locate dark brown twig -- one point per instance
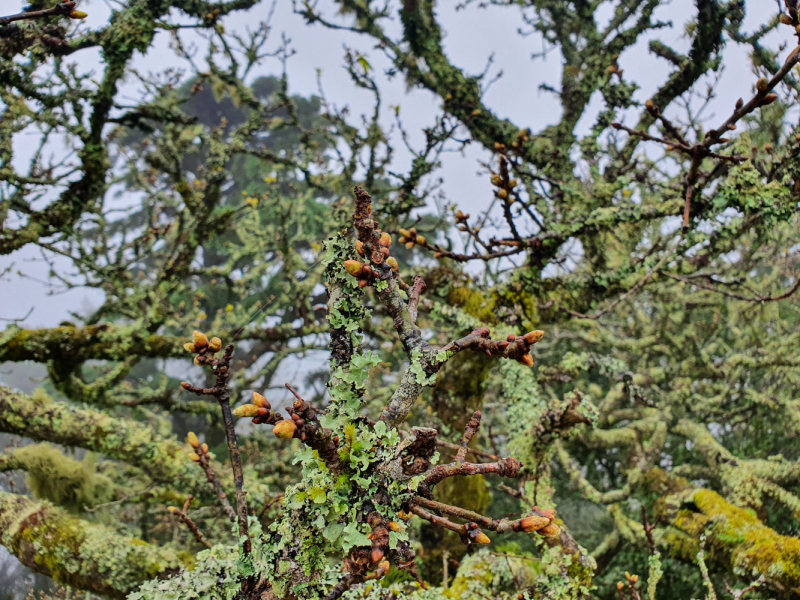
(59, 10)
(469, 432)
(186, 520)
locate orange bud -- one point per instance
(173, 510)
(392, 262)
(194, 457)
(413, 232)
(360, 247)
(200, 340)
(192, 439)
(353, 267)
(215, 344)
(386, 240)
(634, 578)
(405, 233)
(260, 401)
(246, 410)
(204, 447)
(404, 515)
(769, 99)
(502, 194)
(421, 240)
(409, 245)
(189, 347)
(649, 105)
(376, 555)
(620, 585)
(550, 531)
(534, 336)
(285, 430)
(77, 14)
(185, 385)
(395, 526)
(527, 360)
(534, 523)
(482, 538)
(497, 181)
(549, 513)
(385, 566)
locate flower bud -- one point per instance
(386, 240)
(376, 555)
(533, 523)
(353, 267)
(739, 103)
(421, 240)
(392, 262)
(502, 194)
(194, 456)
(385, 252)
(204, 448)
(620, 585)
(786, 19)
(214, 344)
(534, 336)
(413, 232)
(385, 566)
(549, 513)
(405, 233)
(552, 530)
(77, 14)
(511, 337)
(634, 578)
(189, 347)
(769, 99)
(362, 283)
(649, 105)
(192, 439)
(761, 84)
(360, 247)
(285, 430)
(404, 515)
(172, 509)
(366, 271)
(482, 538)
(526, 359)
(497, 180)
(198, 362)
(512, 184)
(246, 410)
(185, 385)
(260, 401)
(200, 340)
(395, 526)
(409, 245)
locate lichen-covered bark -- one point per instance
(80, 554)
(736, 540)
(42, 419)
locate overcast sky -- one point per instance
(473, 35)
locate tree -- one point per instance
(639, 286)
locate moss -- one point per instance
(62, 480)
(737, 539)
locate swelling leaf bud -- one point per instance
(285, 430)
(192, 439)
(534, 523)
(194, 456)
(761, 84)
(260, 401)
(200, 340)
(392, 262)
(353, 267)
(527, 360)
(405, 233)
(395, 526)
(246, 410)
(376, 555)
(482, 538)
(421, 240)
(77, 14)
(386, 240)
(502, 194)
(385, 566)
(534, 336)
(786, 19)
(360, 247)
(173, 510)
(204, 448)
(189, 347)
(215, 344)
(497, 180)
(552, 530)
(769, 99)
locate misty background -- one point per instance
(475, 37)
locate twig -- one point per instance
(181, 514)
(413, 297)
(469, 432)
(59, 10)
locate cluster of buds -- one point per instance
(542, 522)
(261, 412)
(203, 347)
(410, 238)
(364, 271)
(761, 85)
(513, 347)
(461, 217)
(522, 136)
(504, 184)
(474, 535)
(629, 586)
(199, 453)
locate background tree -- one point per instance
(658, 253)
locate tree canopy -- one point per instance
(586, 389)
